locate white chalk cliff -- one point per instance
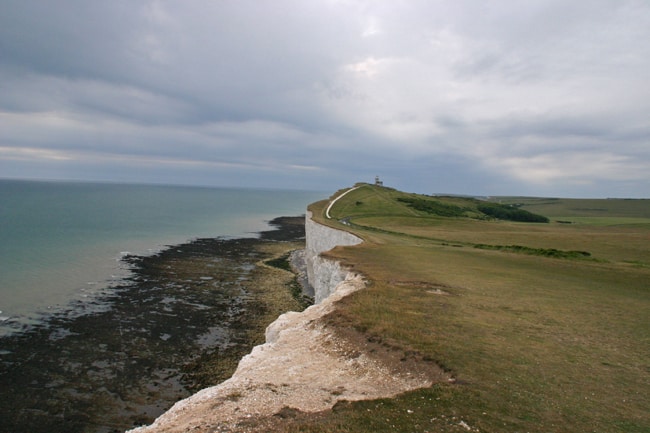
(324, 275)
(303, 364)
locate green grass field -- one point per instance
(536, 343)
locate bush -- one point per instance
(510, 213)
(546, 252)
(434, 207)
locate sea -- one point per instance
(62, 243)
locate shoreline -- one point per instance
(309, 362)
(111, 370)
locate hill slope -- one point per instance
(538, 342)
(369, 200)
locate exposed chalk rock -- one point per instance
(323, 274)
(303, 364)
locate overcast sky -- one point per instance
(535, 97)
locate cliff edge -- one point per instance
(304, 365)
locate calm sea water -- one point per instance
(63, 241)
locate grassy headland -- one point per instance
(537, 342)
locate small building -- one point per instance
(378, 182)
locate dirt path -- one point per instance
(327, 212)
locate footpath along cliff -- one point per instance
(304, 364)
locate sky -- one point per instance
(536, 97)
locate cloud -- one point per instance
(499, 95)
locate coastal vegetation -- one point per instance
(473, 208)
(510, 213)
(546, 252)
(434, 207)
(283, 262)
(544, 327)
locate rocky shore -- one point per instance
(191, 325)
(180, 323)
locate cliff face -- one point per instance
(304, 364)
(323, 274)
